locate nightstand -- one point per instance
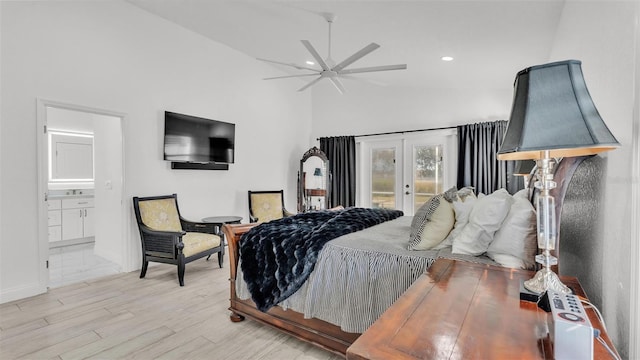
(462, 310)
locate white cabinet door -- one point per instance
(88, 222)
(72, 224)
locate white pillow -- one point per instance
(485, 219)
(514, 244)
(461, 209)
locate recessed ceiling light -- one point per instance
(447, 58)
(309, 62)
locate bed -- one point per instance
(312, 317)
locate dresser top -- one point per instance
(461, 310)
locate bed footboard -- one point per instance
(317, 332)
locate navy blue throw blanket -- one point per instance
(277, 257)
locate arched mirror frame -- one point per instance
(306, 196)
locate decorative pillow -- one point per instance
(485, 219)
(454, 194)
(431, 224)
(451, 195)
(462, 208)
(514, 244)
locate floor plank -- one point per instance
(123, 317)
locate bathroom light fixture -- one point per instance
(446, 58)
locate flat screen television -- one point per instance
(191, 139)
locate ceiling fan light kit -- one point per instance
(329, 69)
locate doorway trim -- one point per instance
(42, 173)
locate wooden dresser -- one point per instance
(460, 310)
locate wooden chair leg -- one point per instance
(181, 270)
(145, 264)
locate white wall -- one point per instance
(602, 36)
(374, 109)
(113, 56)
(108, 189)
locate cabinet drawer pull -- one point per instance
(83, 202)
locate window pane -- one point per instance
(383, 178)
(427, 173)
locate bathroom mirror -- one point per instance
(313, 181)
(70, 157)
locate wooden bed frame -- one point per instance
(320, 333)
(328, 336)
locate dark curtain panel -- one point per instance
(341, 152)
(478, 163)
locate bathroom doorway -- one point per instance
(81, 185)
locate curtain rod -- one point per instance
(403, 132)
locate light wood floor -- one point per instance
(124, 317)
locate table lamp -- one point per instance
(552, 116)
(318, 173)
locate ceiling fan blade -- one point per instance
(373, 68)
(310, 83)
(287, 64)
(355, 57)
(338, 84)
(288, 76)
(315, 54)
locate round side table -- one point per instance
(218, 221)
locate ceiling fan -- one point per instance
(329, 69)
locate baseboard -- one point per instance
(70, 242)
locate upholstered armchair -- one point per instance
(266, 206)
(169, 238)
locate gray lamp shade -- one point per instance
(317, 172)
(552, 110)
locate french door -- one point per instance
(403, 172)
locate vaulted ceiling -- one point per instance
(489, 40)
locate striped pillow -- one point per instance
(431, 224)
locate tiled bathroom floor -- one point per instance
(77, 263)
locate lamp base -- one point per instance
(527, 295)
(544, 280)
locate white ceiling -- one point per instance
(490, 40)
